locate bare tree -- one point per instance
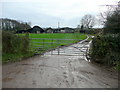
(88, 21)
(108, 12)
(112, 24)
(103, 15)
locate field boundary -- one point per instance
(42, 44)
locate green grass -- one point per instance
(59, 36)
(8, 57)
(39, 46)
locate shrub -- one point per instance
(13, 45)
(105, 49)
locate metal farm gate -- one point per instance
(60, 46)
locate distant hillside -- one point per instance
(13, 25)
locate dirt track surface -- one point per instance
(67, 70)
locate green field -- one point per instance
(41, 44)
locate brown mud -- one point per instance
(67, 70)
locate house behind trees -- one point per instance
(35, 29)
(49, 30)
(60, 30)
(64, 30)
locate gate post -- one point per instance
(52, 47)
(43, 43)
(58, 48)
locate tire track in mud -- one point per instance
(58, 71)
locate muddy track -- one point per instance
(67, 70)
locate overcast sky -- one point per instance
(47, 13)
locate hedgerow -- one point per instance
(105, 49)
(14, 46)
